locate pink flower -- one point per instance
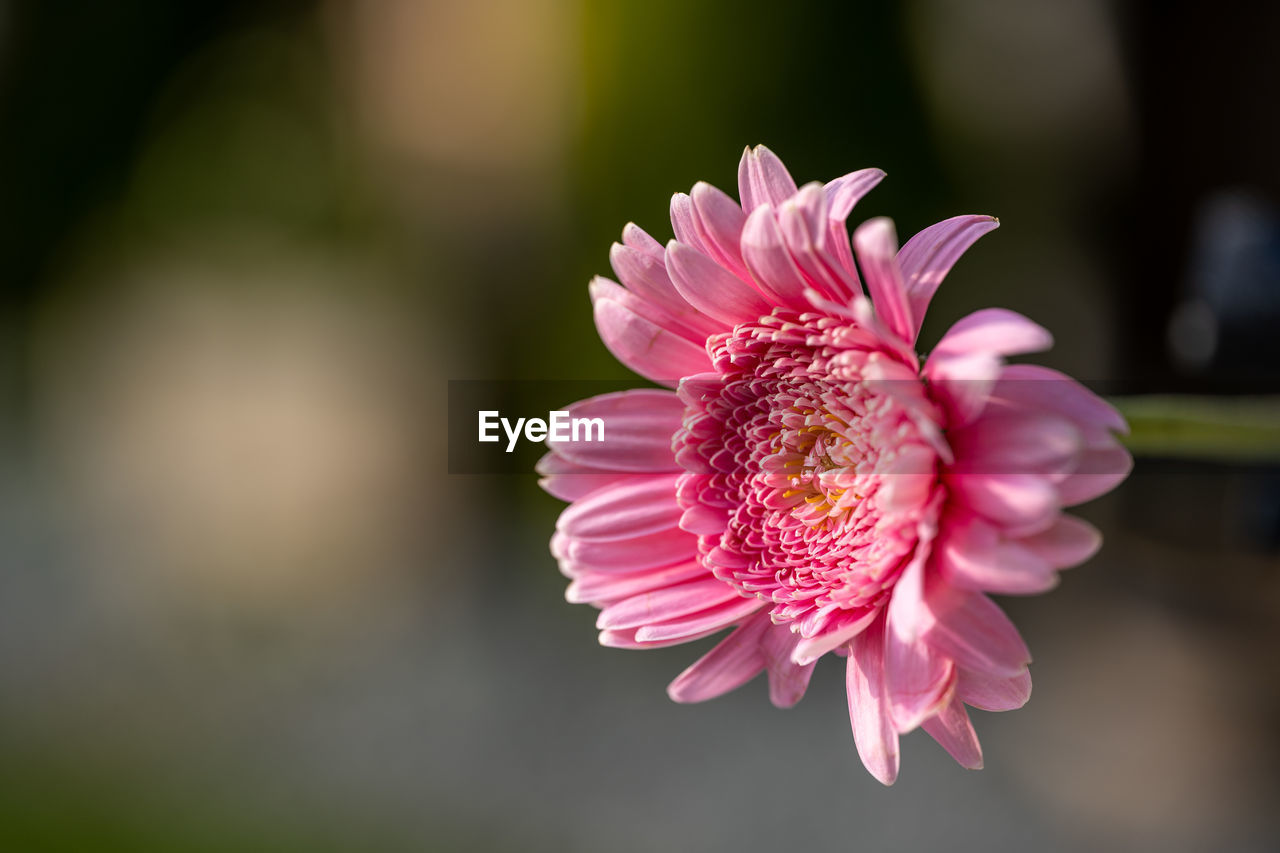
(809, 482)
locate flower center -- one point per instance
(803, 456)
(809, 464)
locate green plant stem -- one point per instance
(1236, 429)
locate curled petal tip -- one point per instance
(597, 287)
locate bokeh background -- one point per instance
(245, 245)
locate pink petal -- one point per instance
(919, 679)
(639, 507)
(602, 288)
(711, 288)
(1025, 442)
(876, 246)
(665, 548)
(952, 729)
(638, 428)
(762, 179)
(909, 480)
(788, 680)
(602, 587)
(929, 255)
(682, 222)
(637, 238)
(646, 277)
(975, 633)
(1099, 472)
(667, 604)
(873, 729)
(769, 262)
(1021, 501)
(570, 481)
(705, 520)
(731, 664)
(646, 348)
(626, 638)
(697, 389)
(864, 314)
(974, 556)
(963, 383)
(847, 190)
(994, 693)
(1068, 543)
(993, 330)
(805, 226)
(719, 220)
(1047, 389)
(808, 649)
(699, 624)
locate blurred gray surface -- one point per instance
(470, 708)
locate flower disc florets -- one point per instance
(791, 443)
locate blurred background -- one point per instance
(245, 245)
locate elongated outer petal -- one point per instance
(847, 190)
(569, 481)
(711, 288)
(699, 624)
(1069, 542)
(1025, 502)
(769, 262)
(1099, 472)
(973, 555)
(993, 693)
(682, 222)
(646, 348)
(735, 661)
(664, 548)
(952, 729)
(842, 194)
(970, 629)
(762, 179)
(993, 330)
(929, 255)
(637, 238)
(1035, 386)
(963, 383)
(630, 638)
(805, 225)
(919, 678)
(876, 245)
(873, 731)
(1016, 442)
(718, 221)
(602, 288)
(809, 649)
(604, 587)
(638, 428)
(664, 605)
(966, 363)
(788, 680)
(646, 277)
(638, 507)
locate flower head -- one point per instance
(810, 482)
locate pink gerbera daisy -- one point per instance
(809, 482)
